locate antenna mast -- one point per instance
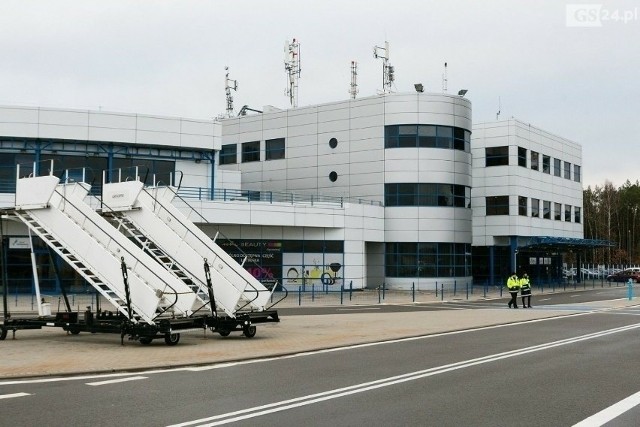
(228, 85)
(444, 79)
(354, 80)
(499, 108)
(292, 67)
(388, 71)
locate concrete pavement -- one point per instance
(53, 352)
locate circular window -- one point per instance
(333, 143)
(333, 176)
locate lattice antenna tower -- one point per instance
(228, 86)
(292, 67)
(444, 79)
(388, 72)
(353, 90)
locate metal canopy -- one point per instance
(566, 243)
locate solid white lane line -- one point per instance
(9, 396)
(611, 412)
(257, 411)
(118, 380)
(594, 310)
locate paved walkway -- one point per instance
(51, 351)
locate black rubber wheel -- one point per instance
(171, 339)
(249, 331)
(3, 334)
(224, 333)
(145, 340)
(74, 330)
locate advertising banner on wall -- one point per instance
(264, 258)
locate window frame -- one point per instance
(535, 208)
(496, 156)
(273, 153)
(523, 208)
(249, 151)
(535, 161)
(222, 156)
(557, 167)
(496, 206)
(546, 164)
(522, 157)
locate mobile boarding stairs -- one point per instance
(150, 302)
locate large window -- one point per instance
(557, 167)
(576, 173)
(567, 170)
(228, 154)
(535, 161)
(546, 164)
(567, 213)
(535, 208)
(251, 151)
(274, 149)
(497, 156)
(427, 259)
(557, 211)
(427, 136)
(427, 194)
(497, 205)
(522, 157)
(576, 214)
(522, 206)
(546, 209)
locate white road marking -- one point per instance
(544, 299)
(573, 296)
(611, 412)
(313, 352)
(358, 309)
(297, 402)
(9, 396)
(118, 380)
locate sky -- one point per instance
(572, 69)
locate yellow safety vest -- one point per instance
(513, 283)
(525, 284)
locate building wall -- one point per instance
(361, 162)
(514, 180)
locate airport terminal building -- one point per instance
(399, 188)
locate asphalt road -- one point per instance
(558, 371)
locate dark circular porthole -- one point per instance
(333, 176)
(333, 143)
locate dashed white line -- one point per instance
(119, 380)
(9, 396)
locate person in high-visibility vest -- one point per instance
(513, 285)
(525, 290)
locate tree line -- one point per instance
(611, 214)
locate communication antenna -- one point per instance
(292, 66)
(499, 108)
(444, 79)
(354, 80)
(228, 85)
(388, 72)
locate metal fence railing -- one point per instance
(318, 295)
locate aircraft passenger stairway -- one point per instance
(154, 216)
(124, 224)
(58, 214)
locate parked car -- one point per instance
(625, 275)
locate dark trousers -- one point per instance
(514, 299)
(526, 294)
